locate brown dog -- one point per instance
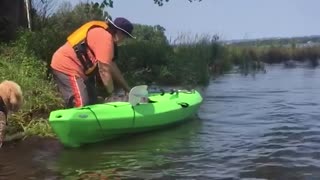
(11, 100)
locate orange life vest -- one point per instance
(77, 39)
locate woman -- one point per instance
(89, 55)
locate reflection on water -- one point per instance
(264, 126)
(135, 156)
(29, 159)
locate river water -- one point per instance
(265, 126)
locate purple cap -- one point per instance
(124, 25)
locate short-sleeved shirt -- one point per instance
(101, 43)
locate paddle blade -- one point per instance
(138, 93)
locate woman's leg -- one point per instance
(73, 89)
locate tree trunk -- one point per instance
(28, 4)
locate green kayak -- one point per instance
(90, 124)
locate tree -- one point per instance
(155, 34)
(40, 11)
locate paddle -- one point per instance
(137, 94)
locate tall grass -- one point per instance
(191, 59)
(281, 54)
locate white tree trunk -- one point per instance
(27, 3)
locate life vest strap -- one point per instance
(81, 52)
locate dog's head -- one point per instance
(11, 94)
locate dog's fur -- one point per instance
(11, 94)
(12, 97)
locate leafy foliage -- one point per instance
(154, 34)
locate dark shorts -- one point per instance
(75, 91)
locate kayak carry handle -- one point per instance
(172, 91)
(162, 92)
(183, 104)
(59, 116)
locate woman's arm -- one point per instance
(106, 76)
(102, 45)
(109, 73)
(118, 77)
